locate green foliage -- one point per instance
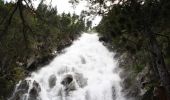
(125, 25)
(131, 26)
(43, 33)
(138, 68)
(1, 2)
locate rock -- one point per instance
(104, 39)
(159, 93)
(155, 93)
(148, 95)
(24, 85)
(21, 90)
(83, 61)
(34, 92)
(113, 93)
(17, 95)
(68, 83)
(52, 81)
(67, 80)
(135, 85)
(81, 81)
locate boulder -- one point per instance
(52, 81)
(67, 80)
(34, 92)
(68, 83)
(103, 39)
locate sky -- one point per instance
(65, 6)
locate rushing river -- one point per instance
(85, 71)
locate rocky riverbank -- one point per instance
(138, 84)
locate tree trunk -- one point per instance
(160, 64)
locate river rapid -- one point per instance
(86, 70)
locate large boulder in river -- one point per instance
(34, 92)
(67, 80)
(52, 81)
(68, 83)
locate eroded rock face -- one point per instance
(52, 81)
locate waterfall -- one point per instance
(84, 71)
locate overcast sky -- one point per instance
(65, 6)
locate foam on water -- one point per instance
(91, 66)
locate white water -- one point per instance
(88, 59)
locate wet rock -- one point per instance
(24, 85)
(104, 39)
(67, 80)
(34, 92)
(113, 93)
(17, 95)
(68, 83)
(52, 81)
(135, 85)
(131, 88)
(83, 61)
(21, 90)
(81, 81)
